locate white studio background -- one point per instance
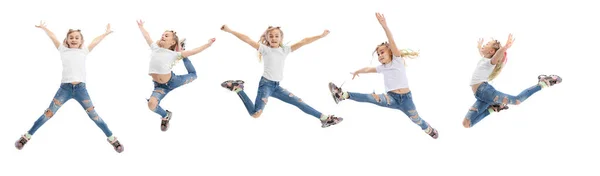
(553, 132)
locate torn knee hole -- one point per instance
(517, 102)
(96, 118)
(56, 102)
(376, 97)
(299, 100)
(48, 113)
(265, 100)
(473, 109)
(90, 109)
(160, 91)
(86, 101)
(505, 100)
(291, 95)
(496, 99)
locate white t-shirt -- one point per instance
(394, 74)
(274, 61)
(162, 60)
(73, 63)
(482, 71)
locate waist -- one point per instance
(161, 78)
(400, 91)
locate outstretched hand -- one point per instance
(41, 25)
(211, 41)
(354, 74)
(140, 23)
(480, 43)
(108, 30)
(509, 41)
(381, 19)
(225, 28)
(325, 33)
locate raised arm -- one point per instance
(50, 34)
(364, 70)
(500, 53)
(308, 40)
(98, 39)
(395, 51)
(241, 36)
(144, 32)
(188, 53)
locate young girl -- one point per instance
(398, 94)
(274, 53)
(73, 84)
(165, 53)
(488, 98)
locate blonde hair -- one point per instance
(403, 52)
(176, 38)
(500, 65)
(175, 47)
(67, 37)
(263, 39)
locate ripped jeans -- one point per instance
(66, 92)
(402, 102)
(268, 88)
(161, 90)
(487, 95)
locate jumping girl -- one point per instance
(165, 54)
(273, 53)
(489, 99)
(73, 84)
(398, 94)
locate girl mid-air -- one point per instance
(398, 94)
(273, 53)
(165, 54)
(489, 99)
(73, 84)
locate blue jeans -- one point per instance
(402, 102)
(486, 95)
(268, 88)
(64, 94)
(161, 90)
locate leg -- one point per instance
(407, 106)
(265, 89)
(493, 96)
(338, 95)
(502, 98)
(153, 103)
(180, 80)
(286, 96)
(82, 96)
(383, 100)
(476, 113)
(61, 97)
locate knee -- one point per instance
(48, 113)
(152, 103)
(467, 123)
(257, 113)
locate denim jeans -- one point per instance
(161, 90)
(268, 88)
(402, 102)
(486, 95)
(66, 92)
